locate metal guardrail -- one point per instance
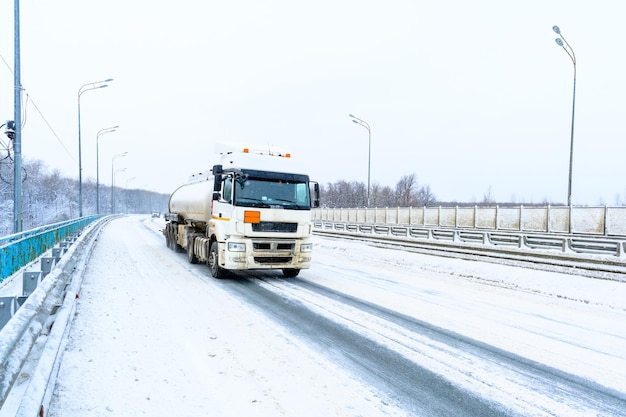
(39, 323)
(9, 305)
(602, 245)
(19, 249)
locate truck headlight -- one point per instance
(306, 247)
(236, 247)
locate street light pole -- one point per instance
(568, 49)
(369, 155)
(119, 155)
(83, 88)
(127, 193)
(129, 180)
(113, 186)
(100, 132)
(17, 117)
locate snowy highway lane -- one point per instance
(365, 332)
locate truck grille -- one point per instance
(273, 246)
(273, 252)
(275, 227)
(272, 259)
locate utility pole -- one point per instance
(17, 141)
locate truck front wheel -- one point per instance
(213, 262)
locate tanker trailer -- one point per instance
(250, 212)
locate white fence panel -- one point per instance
(609, 221)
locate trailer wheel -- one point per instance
(168, 237)
(191, 257)
(171, 239)
(290, 272)
(168, 242)
(213, 262)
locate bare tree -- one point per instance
(406, 190)
(354, 194)
(344, 194)
(49, 198)
(382, 196)
(425, 196)
(388, 197)
(488, 197)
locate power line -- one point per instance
(51, 129)
(7, 64)
(40, 114)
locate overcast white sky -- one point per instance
(474, 97)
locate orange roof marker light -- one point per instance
(269, 152)
(256, 157)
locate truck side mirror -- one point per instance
(314, 192)
(217, 182)
(216, 196)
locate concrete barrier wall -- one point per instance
(600, 221)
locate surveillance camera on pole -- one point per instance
(10, 129)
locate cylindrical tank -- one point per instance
(192, 201)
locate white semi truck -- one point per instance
(250, 211)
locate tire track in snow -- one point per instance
(426, 368)
(414, 388)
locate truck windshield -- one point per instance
(272, 193)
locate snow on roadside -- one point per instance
(603, 293)
(156, 341)
(573, 323)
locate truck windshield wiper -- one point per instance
(289, 202)
(251, 202)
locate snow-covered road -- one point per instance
(365, 332)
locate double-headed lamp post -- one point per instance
(369, 154)
(119, 155)
(568, 49)
(128, 181)
(100, 132)
(116, 171)
(83, 88)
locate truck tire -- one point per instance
(191, 257)
(213, 262)
(290, 272)
(168, 242)
(169, 239)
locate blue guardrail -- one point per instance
(19, 249)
